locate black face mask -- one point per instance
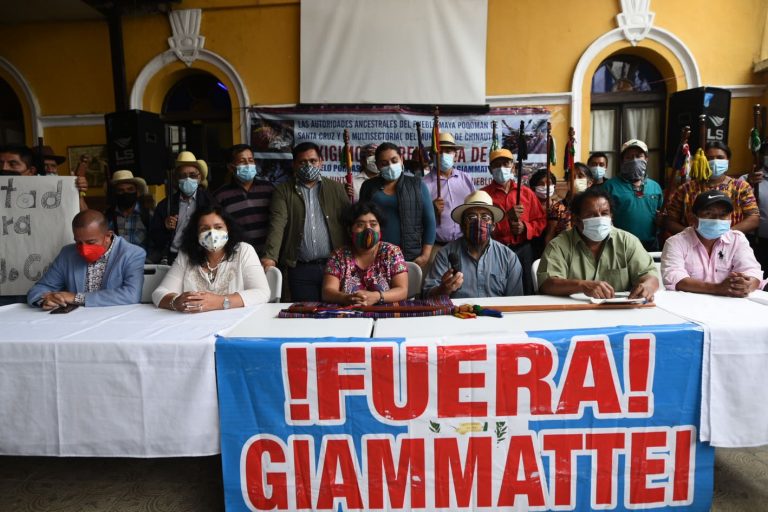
(125, 201)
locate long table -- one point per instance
(124, 381)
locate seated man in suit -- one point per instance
(99, 269)
(596, 258)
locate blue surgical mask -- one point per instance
(597, 229)
(501, 175)
(597, 171)
(713, 228)
(719, 167)
(392, 172)
(446, 161)
(188, 186)
(245, 173)
(308, 173)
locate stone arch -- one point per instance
(29, 104)
(662, 48)
(153, 82)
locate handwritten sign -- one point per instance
(35, 223)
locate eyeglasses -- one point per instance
(473, 217)
(193, 175)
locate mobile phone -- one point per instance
(64, 309)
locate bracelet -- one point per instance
(381, 297)
(173, 302)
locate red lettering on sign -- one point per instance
(605, 445)
(642, 466)
(384, 383)
(381, 468)
(338, 459)
(448, 463)
(521, 455)
(451, 381)
(266, 489)
(510, 380)
(589, 359)
(330, 383)
(296, 365)
(564, 461)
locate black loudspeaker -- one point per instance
(685, 107)
(136, 142)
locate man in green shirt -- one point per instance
(594, 257)
(637, 199)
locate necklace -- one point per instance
(211, 274)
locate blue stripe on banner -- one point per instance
(589, 419)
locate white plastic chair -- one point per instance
(275, 280)
(153, 276)
(657, 261)
(414, 279)
(534, 268)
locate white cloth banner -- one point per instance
(36, 217)
(398, 51)
(274, 131)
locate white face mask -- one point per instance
(580, 184)
(370, 165)
(597, 229)
(213, 239)
(541, 191)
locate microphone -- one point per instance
(455, 262)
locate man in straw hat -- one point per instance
(246, 198)
(172, 216)
(524, 221)
(475, 265)
(455, 185)
(129, 215)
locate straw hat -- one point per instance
(124, 176)
(447, 141)
(187, 158)
(478, 198)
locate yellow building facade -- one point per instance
(542, 53)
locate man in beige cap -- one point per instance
(171, 217)
(131, 208)
(475, 265)
(455, 185)
(523, 221)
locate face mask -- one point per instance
(370, 165)
(633, 170)
(501, 175)
(719, 167)
(125, 201)
(188, 186)
(477, 232)
(90, 252)
(366, 238)
(392, 172)
(597, 171)
(308, 173)
(446, 161)
(597, 228)
(213, 239)
(580, 184)
(541, 191)
(713, 228)
(245, 173)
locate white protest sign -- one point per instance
(35, 223)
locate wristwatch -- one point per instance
(226, 303)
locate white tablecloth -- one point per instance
(734, 410)
(129, 381)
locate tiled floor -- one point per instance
(43, 484)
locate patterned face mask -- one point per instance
(213, 239)
(366, 238)
(477, 231)
(308, 173)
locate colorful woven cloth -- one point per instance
(407, 308)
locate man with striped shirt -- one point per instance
(246, 198)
